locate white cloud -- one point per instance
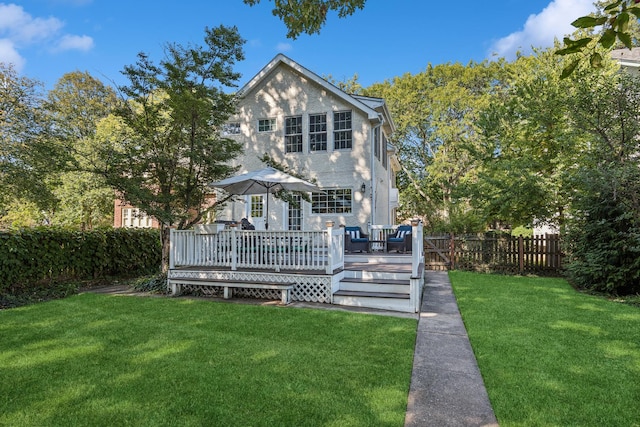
(9, 54)
(21, 27)
(540, 30)
(19, 30)
(67, 42)
(284, 47)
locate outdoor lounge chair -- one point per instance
(400, 240)
(355, 240)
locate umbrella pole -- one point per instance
(266, 215)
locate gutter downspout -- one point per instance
(373, 184)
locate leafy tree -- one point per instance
(350, 86)
(76, 105)
(25, 152)
(436, 114)
(604, 232)
(308, 16)
(529, 145)
(165, 145)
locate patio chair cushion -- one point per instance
(354, 232)
(360, 240)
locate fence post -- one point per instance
(521, 253)
(172, 249)
(452, 253)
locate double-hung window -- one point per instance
(342, 137)
(332, 201)
(318, 132)
(266, 125)
(293, 134)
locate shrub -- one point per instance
(35, 258)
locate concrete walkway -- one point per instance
(446, 386)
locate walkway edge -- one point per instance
(446, 386)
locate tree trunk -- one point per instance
(164, 240)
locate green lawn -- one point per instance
(551, 356)
(108, 360)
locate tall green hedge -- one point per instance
(33, 256)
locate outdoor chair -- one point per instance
(400, 240)
(355, 240)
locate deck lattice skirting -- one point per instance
(308, 288)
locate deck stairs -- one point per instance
(380, 281)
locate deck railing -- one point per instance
(258, 249)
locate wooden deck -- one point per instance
(389, 281)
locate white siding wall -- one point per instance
(285, 93)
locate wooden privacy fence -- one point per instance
(494, 253)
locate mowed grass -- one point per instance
(104, 360)
(551, 356)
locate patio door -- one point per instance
(294, 213)
(256, 211)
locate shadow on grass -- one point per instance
(105, 360)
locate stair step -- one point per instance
(375, 281)
(367, 294)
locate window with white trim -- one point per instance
(257, 207)
(293, 134)
(295, 213)
(266, 125)
(332, 201)
(342, 136)
(135, 218)
(231, 128)
(318, 132)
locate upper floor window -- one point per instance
(376, 142)
(332, 201)
(342, 130)
(318, 132)
(385, 155)
(293, 134)
(231, 128)
(266, 125)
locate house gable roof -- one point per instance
(356, 102)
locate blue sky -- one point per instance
(46, 38)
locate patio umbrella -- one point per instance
(267, 180)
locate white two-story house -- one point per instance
(318, 131)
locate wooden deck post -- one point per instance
(329, 265)
(234, 247)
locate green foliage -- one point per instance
(26, 154)
(154, 284)
(33, 258)
(522, 231)
(436, 114)
(167, 146)
(604, 233)
(308, 16)
(604, 236)
(528, 144)
(618, 22)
